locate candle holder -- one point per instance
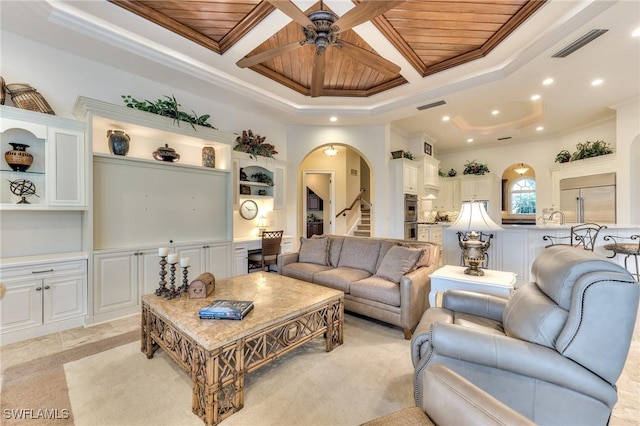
(162, 290)
(185, 280)
(172, 292)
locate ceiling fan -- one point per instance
(321, 28)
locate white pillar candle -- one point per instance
(163, 251)
(173, 258)
(185, 261)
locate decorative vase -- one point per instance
(18, 158)
(208, 157)
(118, 142)
(164, 153)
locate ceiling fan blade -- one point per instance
(292, 11)
(317, 78)
(363, 12)
(370, 59)
(267, 54)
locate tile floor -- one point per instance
(625, 413)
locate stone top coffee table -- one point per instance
(219, 353)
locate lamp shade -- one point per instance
(474, 217)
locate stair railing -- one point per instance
(344, 211)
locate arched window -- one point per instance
(523, 196)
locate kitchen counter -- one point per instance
(515, 247)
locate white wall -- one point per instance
(628, 158)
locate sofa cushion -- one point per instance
(340, 278)
(360, 253)
(425, 258)
(397, 262)
(377, 289)
(303, 271)
(335, 248)
(384, 248)
(532, 316)
(314, 250)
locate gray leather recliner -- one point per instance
(553, 351)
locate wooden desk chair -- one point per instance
(629, 248)
(484, 237)
(269, 253)
(583, 235)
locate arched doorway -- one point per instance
(519, 195)
(331, 191)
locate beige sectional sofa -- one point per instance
(383, 279)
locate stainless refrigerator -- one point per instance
(589, 198)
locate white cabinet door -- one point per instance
(63, 297)
(149, 271)
(21, 306)
(476, 187)
(431, 166)
(410, 179)
(218, 260)
(115, 282)
(240, 260)
(66, 176)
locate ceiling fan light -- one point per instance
(331, 151)
(521, 169)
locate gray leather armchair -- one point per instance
(553, 351)
(449, 399)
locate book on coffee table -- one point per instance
(226, 309)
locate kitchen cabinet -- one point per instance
(430, 169)
(56, 178)
(480, 187)
(409, 178)
(314, 203)
(432, 234)
(449, 195)
(42, 298)
(315, 228)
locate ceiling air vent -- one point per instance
(585, 39)
(431, 105)
(504, 138)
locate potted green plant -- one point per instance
(591, 149)
(408, 155)
(168, 108)
(475, 168)
(254, 145)
(563, 156)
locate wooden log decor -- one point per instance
(202, 286)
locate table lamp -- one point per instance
(473, 219)
(262, 224)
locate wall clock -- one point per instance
(249, 209)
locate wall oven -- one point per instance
(411, 231)
(410, 208)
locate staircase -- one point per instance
(364, 226)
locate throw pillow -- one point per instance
(314, 250)
(397, 262)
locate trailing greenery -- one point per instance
(588, 149)
(168, 107)
(254, 145)
(408, 155)
(475, 168)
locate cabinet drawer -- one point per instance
(44, 270)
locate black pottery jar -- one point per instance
(118, 142)
(164, 153)
(18, 158)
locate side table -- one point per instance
(497, 283)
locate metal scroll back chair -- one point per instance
(583, 236)
(268, 255)
(627, 247)
(484, 237)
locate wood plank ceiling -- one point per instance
(431, 35)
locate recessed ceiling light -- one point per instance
(333, 118)
(547, 81)
(495, 112)
(597, 82)
(446, 118)
(470, 140)
(636, 33)
(535, 97)
(539, 128)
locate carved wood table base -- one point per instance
(219, 353)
